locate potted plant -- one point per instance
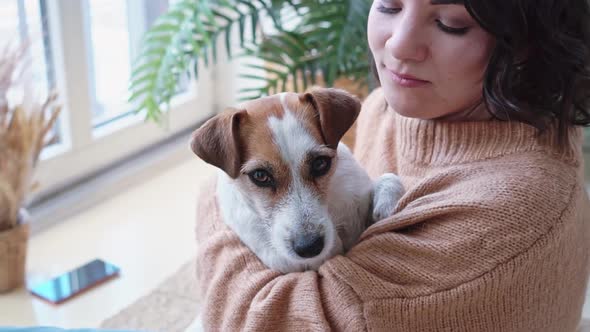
(24, 128)
(309, 42)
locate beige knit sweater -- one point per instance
(492, 235)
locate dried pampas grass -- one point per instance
(24, 130)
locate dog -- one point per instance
(288, 187)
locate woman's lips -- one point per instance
(407, 81)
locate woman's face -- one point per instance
(431, 56)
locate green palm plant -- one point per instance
(307, 38)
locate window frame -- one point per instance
(84, 150)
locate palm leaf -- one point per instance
(187, 32)
(329, 39)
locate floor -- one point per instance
(146, 230)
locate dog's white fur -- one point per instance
(341, 219)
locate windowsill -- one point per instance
(105, 183)
(120, 124)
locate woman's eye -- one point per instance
(451, 30)
(388, 10)
(320, 166)
(261, 178)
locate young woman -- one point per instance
(478, 112)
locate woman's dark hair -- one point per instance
(539, 71)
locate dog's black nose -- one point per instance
(309, 246)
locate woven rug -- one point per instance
(171, 307)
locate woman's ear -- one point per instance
(337, 110)
(218, 141)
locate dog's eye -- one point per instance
(320, 166)
(261, 178)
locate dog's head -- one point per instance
(280, 152)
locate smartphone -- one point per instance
(75, 282)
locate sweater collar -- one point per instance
(435, 142)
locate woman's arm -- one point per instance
(456, 238)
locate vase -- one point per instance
(13, 254)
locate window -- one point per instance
(27, 21)
(110, 59)
(115, 36)
(85, 50)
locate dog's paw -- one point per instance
(386, 193)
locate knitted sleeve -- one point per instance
(459, 247)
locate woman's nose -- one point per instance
(407, 40)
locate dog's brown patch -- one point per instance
(242, 136)
(337, 111)
(217, 142)
(309, 118)
(259, 143)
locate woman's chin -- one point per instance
(411, 109)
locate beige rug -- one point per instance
(171, 307)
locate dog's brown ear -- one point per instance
(337, 110)
(218, 141)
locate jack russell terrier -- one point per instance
(290, 190)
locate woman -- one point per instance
(477, 112)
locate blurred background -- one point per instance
(111, 185)
(84, 50)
